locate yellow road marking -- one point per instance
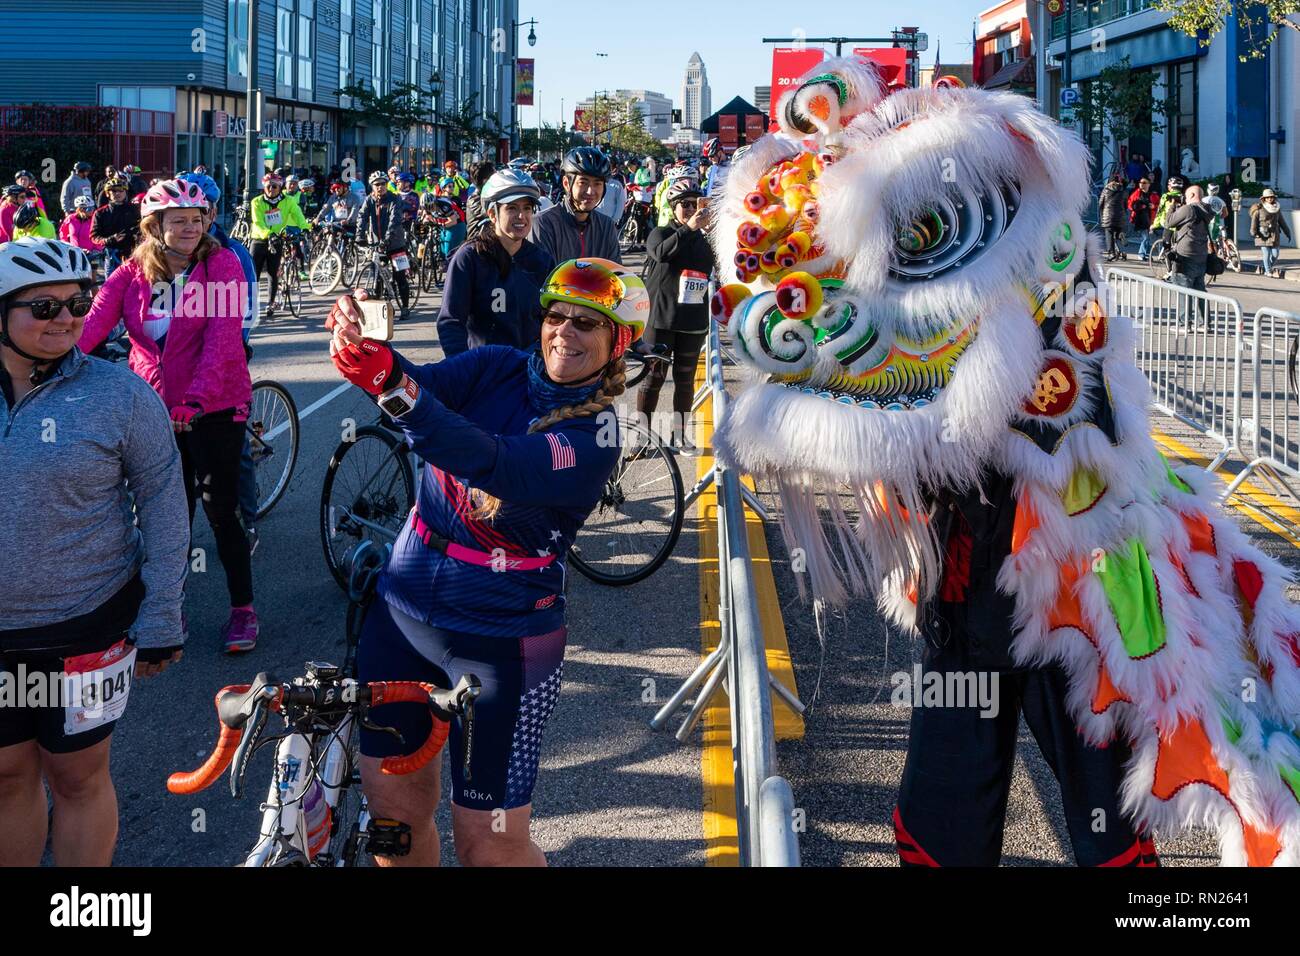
(1249, 499)
(716, 769)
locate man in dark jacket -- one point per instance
(379, 222)
(1111, 213)
(574, 229)
(1190, 224)
(116, 225)
(680, 260)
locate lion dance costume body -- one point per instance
(932, 349)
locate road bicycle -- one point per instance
(289, 291)
(431, 265)
(334, 259)
(378, 274)
(315, 812)
(369, 491)
(241, 228)
(273, 433)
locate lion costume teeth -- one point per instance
(959, 328)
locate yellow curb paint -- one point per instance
(1247, 491)
(716, 767)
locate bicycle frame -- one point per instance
(284, 825)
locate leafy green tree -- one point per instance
(1210, 16)
(1121, 102)
(406, 105)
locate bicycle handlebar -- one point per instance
(237, 704)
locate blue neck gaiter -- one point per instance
(546, 396)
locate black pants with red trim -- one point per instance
(953, 800)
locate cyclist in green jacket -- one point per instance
(272, 214)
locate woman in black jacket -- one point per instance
(680, 261)
(1112, 211)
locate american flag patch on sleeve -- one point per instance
(562, 455)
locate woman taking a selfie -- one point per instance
(490, 292)
(517, 452)
(91, 585)
(182, 299)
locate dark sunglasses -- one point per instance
(44, 310)
(689, 204)
(579, 323)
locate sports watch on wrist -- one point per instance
(400, 400)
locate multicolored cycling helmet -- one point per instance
(272, 179)
(442, 206)
(173, 194)
(611, 289)
(427, 200)
(15, 190)
(338, 187)
(712, 148)
(1175, 182)
(117, 182)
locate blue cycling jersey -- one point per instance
(470, 426)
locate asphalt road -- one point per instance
(610, 790)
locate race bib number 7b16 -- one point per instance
(96, 687)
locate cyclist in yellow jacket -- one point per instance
(273, 213)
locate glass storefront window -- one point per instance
(284, 47)
(305, 62)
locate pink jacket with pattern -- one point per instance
(203, 359)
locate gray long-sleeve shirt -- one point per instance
(68, 449)
(559, 233)
(73, 187)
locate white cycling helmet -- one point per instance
(507, 184)
(307, 184)
(83, 202)
(32, 261)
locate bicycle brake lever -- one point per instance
(367, 724)
(239, 766)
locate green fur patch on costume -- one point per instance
(1134, 597)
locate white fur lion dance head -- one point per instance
(917, 296)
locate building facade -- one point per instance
(191, 58)
(656, 110)
(1224, 112)
(1004, 49)
(697, 103)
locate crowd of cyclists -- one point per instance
(107, 464)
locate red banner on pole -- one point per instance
(729, 131)
(582, 120)
(891, 60)
(524, 82)
(755, 127)
(788, 64)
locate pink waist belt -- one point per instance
(496, 560)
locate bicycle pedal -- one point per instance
(388, 837)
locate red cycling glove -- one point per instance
(370, 366)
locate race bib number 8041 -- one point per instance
(96, 687)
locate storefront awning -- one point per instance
(1019, 73)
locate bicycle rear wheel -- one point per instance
(272, 430)
(326, 272)
(369, 490)
(1159, 266)
(1233, 257)
(636, 523)
(292, 286)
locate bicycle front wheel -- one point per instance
(272, 440)
(347, 838)
(635, 525)
(293, 291)
(326, 272)
(1157, 259)
(368, 492)
(1233, 257)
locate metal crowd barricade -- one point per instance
(1190, 345)
(764, 801)
(1273, 429)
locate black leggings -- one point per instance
(685, 348)
(210, 456)
(263, 257)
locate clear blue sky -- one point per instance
(645, 52)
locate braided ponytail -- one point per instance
(612, 385)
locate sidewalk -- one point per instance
(1254, 292)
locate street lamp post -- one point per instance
(435, 89)
(250, 133)
(514, 71)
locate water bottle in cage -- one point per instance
(316, 817)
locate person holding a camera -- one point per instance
(1190, 225)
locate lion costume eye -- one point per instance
(952, 230)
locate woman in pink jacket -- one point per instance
(75, 229)
(181, 298)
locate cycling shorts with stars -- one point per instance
(521, 684)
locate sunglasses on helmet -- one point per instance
(43, 310)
